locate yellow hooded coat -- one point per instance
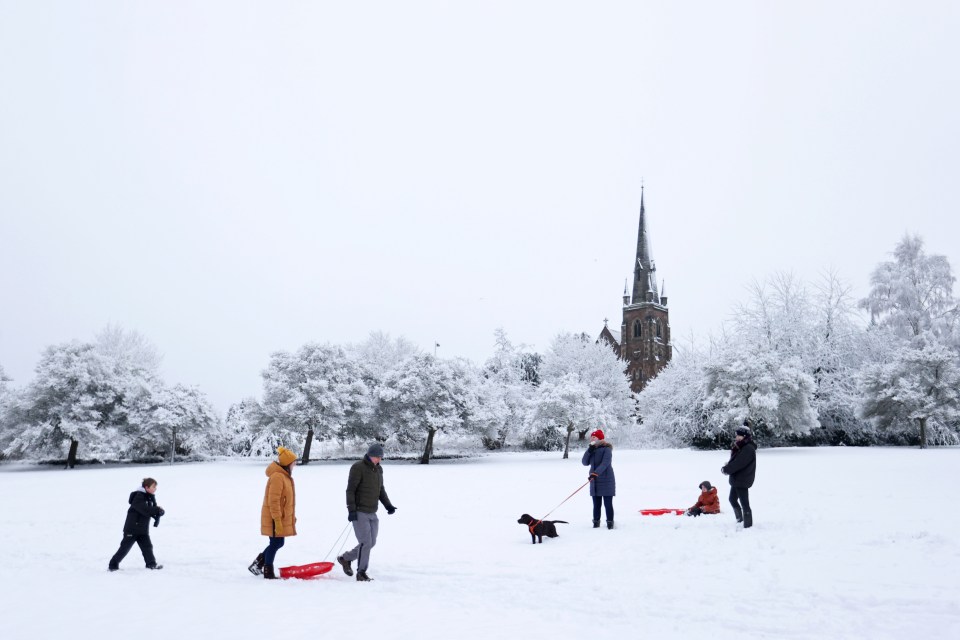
(279, 502)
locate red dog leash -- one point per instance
(534, 524)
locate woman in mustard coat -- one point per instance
(278, 518)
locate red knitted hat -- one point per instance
(598, 434)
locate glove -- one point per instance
(277, 528)
(160, 511)
(391, 510)
(352, 516)
(723, 470)
(592, 476)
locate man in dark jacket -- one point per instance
(136, 528)
(364, 490)
(742, 468)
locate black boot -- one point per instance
(596, 524)
(268, 572)
(363, 577)
(609, 524)
(747, 519)
(737, 512)
(346, 566)
(256, 567)
(154, 566)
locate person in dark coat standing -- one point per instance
(603, 484)
(364, 491)
(136, 528)
(742, 469)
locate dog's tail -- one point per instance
(560, 521)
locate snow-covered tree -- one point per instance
(80, 394)
(317, 391)
(247, 430)
(920, 386)
(673, 405)
(181, 421)
(565, 404)
(4, 384)
(574, 358)
(6, 402)
(504, 396)
(776, 393)
(421, 397)
(130, 350)
(107, 395)
(913, 293)
(378, 356)
(530, 367)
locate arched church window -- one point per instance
(637, 333)
(659, 332)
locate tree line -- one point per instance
(107, 397)
(806, 364)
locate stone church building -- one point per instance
(643, 341)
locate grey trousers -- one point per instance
(365, 527)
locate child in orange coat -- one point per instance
(708, 501)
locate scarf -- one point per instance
(738, 446)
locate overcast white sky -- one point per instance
(233, 178)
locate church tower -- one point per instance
(645, 333)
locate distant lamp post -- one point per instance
(436, 345)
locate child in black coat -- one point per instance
(136, 528)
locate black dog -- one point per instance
(540, 528)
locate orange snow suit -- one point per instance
(708, 502)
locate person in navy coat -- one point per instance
(603, 484)
(136, 528)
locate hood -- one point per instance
(274, 467)
(712, 492)
(604, 443)
(134, 493)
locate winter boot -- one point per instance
(112, 568)
(268, 572)
(154, 566)
(596, 524)
(609, 524)
(363, 577)
(346, 566)
(737, 512)
(256, 567)
(747, 519)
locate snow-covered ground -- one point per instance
(847, 543)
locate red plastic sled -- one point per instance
(661, 512)
(306, 570)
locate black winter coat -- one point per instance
(365, 487)
(742, 467)
(143, 507)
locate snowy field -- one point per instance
(847, 543)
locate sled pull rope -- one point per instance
(559, 505)
(345, 538)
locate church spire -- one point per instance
(644, 269)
